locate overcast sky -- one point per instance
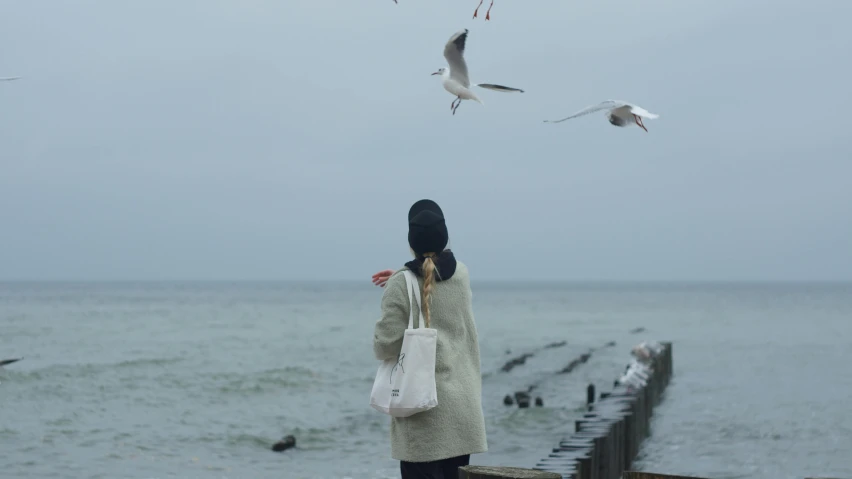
(287, 139)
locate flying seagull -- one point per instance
(487, 14)
(619, 113)
(8, 78)
(455, 79)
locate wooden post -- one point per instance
(489, 472)
(653, 475)
(585, 467)
(619, 448)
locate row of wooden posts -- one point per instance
(606, 439)
(656, 475)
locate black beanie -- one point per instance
(424, 205)
(427, 230)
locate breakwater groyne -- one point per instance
(606, 439)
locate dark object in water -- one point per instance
(284, 444)
(590, 394)
(576, 362)
(523, 399)
(519, 360)
(516, 362)
(508, 400)
(539, 402)
(637, 330)
(9, 361)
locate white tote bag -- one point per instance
(406, 385)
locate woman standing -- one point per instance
(433, 444)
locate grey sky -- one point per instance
(286, 140)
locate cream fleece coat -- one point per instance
(456, 426)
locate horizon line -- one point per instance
(486, 280)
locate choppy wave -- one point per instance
(81, 370)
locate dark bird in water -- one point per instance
(9, 361)
(284, 444)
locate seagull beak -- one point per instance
(436, 73)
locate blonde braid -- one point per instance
(428, 281)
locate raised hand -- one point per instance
(381, 278)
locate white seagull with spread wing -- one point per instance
(455, 78)
(619, 113)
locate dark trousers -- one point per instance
(443, 469)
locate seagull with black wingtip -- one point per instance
(455, 78)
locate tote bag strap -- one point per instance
(413, 285)
(408, 288)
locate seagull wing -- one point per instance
(639, 111)
(494, 87)
(454, 53)
(9, 78)
(604, 105)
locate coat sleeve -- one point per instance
(390, 329)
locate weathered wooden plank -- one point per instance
(654, 475)
(490, 472)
